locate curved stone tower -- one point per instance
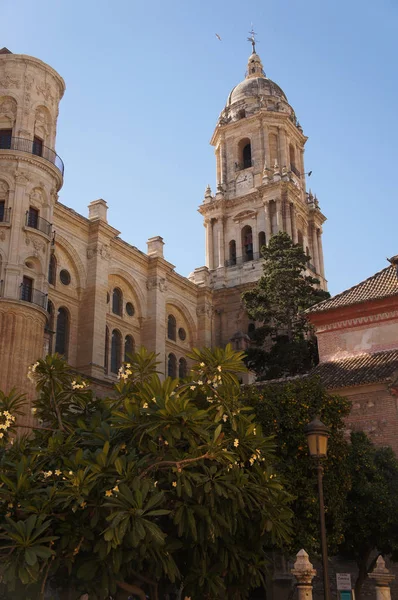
(31, 174)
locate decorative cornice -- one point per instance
(355, 321)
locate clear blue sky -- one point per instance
(146, 82)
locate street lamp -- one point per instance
(317, 438)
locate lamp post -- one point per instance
(317, 438)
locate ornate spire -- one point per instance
(254, 65)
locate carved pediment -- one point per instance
(245, 214)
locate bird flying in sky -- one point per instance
(218, 37)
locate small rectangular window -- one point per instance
(5, 139)
(37, 146)
(2, 210)
(33, 217)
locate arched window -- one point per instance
(171, 327)
(117, 302)
(247, 243)
(232, 252)
(261, 241)
(129, 347)
(244, 154)
(182, 368)
(247, 156)
(52, 270)
(172, 366)
(106, 357)
(62, 332)
(116, 351)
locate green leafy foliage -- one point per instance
(166, 483)
(283, 343)
(283, 410)
(372, 504)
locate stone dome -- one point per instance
(255, 84)
(254, 87)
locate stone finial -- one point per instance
(303, 570)
(208, 193)
(97, 209)
(381, 575)
(155, 247)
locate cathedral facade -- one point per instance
(70, 284)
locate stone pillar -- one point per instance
(315, 256)
(294, 224)
(223, 163)
(304, 573)
(268, 229)
(279, 215)
(238, 240)
(320, 252)
(288, 219)
(282, 148)
(221, 244)
(382, 578)
(267, 154)
(209, 243)
(255, 239)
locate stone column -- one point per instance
(222, 162)
(282, 148)
(288, 219)
(262, 156)
(221, 244)
(238, 240)
(304, 573)
(315, 257)
(382, 578)
(268, 229)
(294, 224)
(209, 243)
(320, 252)
(218, 165)
(279, 215)
(267, 155)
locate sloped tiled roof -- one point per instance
(380, 285)
(358, 370)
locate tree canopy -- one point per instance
(283, 343)
(283, 410)
(372, 506)
(164, 484)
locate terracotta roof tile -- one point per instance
(380, 285)
(358, 370)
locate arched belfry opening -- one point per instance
(245, 154)
(247, 243)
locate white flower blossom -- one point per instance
(236, 442)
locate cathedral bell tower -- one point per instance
(261, 190)
(31, 174)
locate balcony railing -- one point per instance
(32, 147)
(295, 170)
(246, 164)
(5, 215)
(30, 294)
(240, 260)
(36, 222)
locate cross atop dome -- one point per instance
(252, 39)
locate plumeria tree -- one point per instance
(165, 486)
